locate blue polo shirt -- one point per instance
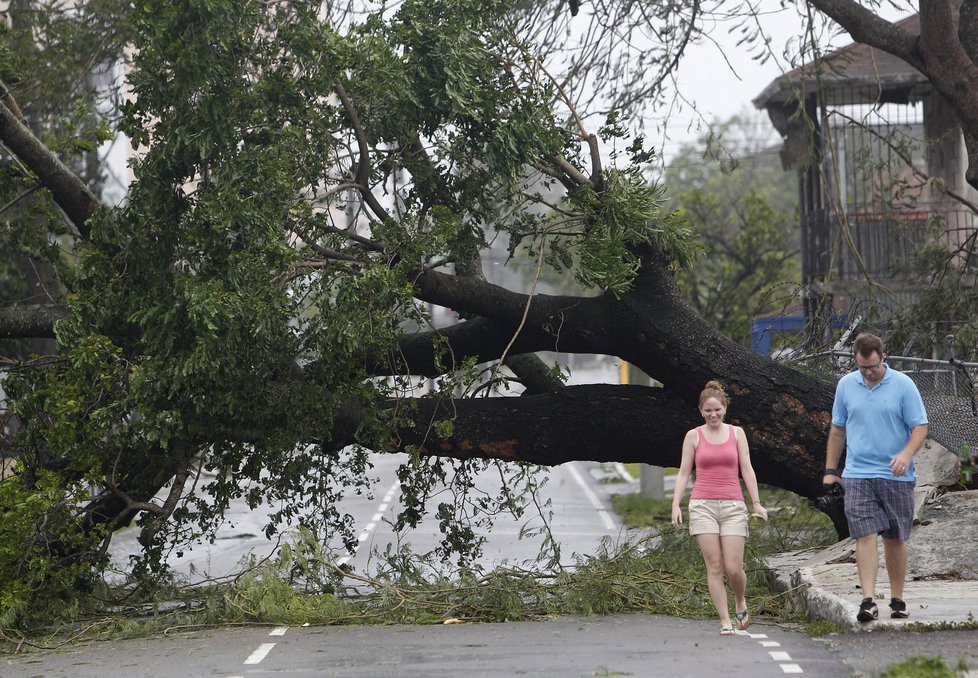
(877, 422)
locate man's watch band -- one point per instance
(831, 472)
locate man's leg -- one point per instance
(895, 555)
(868, 564)
(898, 497)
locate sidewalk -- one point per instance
(942, 571)
(942, 565)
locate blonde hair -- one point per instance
(714, 389)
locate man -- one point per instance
(879, 416)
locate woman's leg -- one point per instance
(713, 558)
(733, 565)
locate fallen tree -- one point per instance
(303, 191)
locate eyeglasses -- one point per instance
(869, 368)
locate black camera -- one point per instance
(832, 498)
(832, 503)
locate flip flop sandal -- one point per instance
(743, 620)
(727, 631)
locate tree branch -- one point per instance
(533, 373)
(363, 165)
(162, 513)
(939, 53)
(868, 28)
(7, 98)
(23, 322)
(69, 192)
(603, 422)
(968, 28)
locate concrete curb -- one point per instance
(817, 603)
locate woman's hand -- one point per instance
(759, 511)
(677, 516)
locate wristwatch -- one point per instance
(831, 472)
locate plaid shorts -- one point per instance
(879, 506)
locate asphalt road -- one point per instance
(581, 518)
(566, 647)
(624, 645)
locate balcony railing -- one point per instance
(882, 246)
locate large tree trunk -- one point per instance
(603, 422)
(35, 321)
(785, 413)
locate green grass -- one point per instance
(633, 470)
(639, 510)
(822, 627)
(924, 667)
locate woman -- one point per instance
(717, 513)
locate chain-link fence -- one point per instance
(948, 388)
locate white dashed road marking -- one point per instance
(263, 649)
(374, 522)
(777, 655)
(260, 653)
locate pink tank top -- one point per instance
(717, 468)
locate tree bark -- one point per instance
(30, 322)
(69, 192)
(602, 422)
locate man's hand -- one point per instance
(900, 464)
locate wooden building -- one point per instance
(881, 171)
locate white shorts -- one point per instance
(726, 517)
